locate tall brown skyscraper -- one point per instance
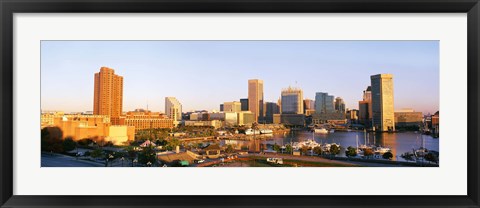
(382, 102)
(255, 98)
(108, 94)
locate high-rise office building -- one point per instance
(108, 94)
(308, 104)
(365, 107)
(271, 108)
(292, 101)
(255, 98)
(234, 106)
(173, 108)
(339, 105)
(324, 103)
(244, 103)
(382, 102)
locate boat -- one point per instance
(381, 150)
(321, 131)
(308, 143)
(266, 131)
(251, 132)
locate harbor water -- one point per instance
(399, 142)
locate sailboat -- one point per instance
(359, 151)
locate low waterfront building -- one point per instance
(408, 118)
(213, 123)
(309, 112)
(212, 151)
(95, 127)
(292, 119)
(332, 118)
(145, 119)
(277, 118)
(245, 118)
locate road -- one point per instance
(325, 160)
(57, 160)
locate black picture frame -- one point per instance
(10, 7)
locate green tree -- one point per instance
(387, 155)
(68, 144)
(304, 150)
(334, 150)
(84, 142)
(229, 149)
(431, 157)
(131, 153)
(276, 147)
(288, 149)
(51, 139)
(351, 151)
(317, 150)
(97, 153)
(147, 155)
(172, 144)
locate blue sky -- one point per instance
(203, 74)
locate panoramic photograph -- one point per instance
(240, 103)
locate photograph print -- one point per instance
(240, 103)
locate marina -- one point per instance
(397, 143)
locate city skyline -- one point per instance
(206, 71)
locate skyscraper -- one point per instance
(382, 102)
(324, 103)
(173, 108)
(255, 98)
(244, 102)
(339, 105)
(292, 101)
(308, 104)
(270, 109)
(108, 94)
(234, 106)
(365, 107)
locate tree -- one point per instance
(98, 153)
(387, 155)
(317, 150)
(351, 152)
(276, 147)
(147, 155)
(334, 150)
(368, 152)
(68, 144)
(172, 143)
(51, 139)
(407, 156)
(84, 142)
(430, 157)
(289, 148)
(131, 153)
(304, 150)
(229, 149)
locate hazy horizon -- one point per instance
(204, 74)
